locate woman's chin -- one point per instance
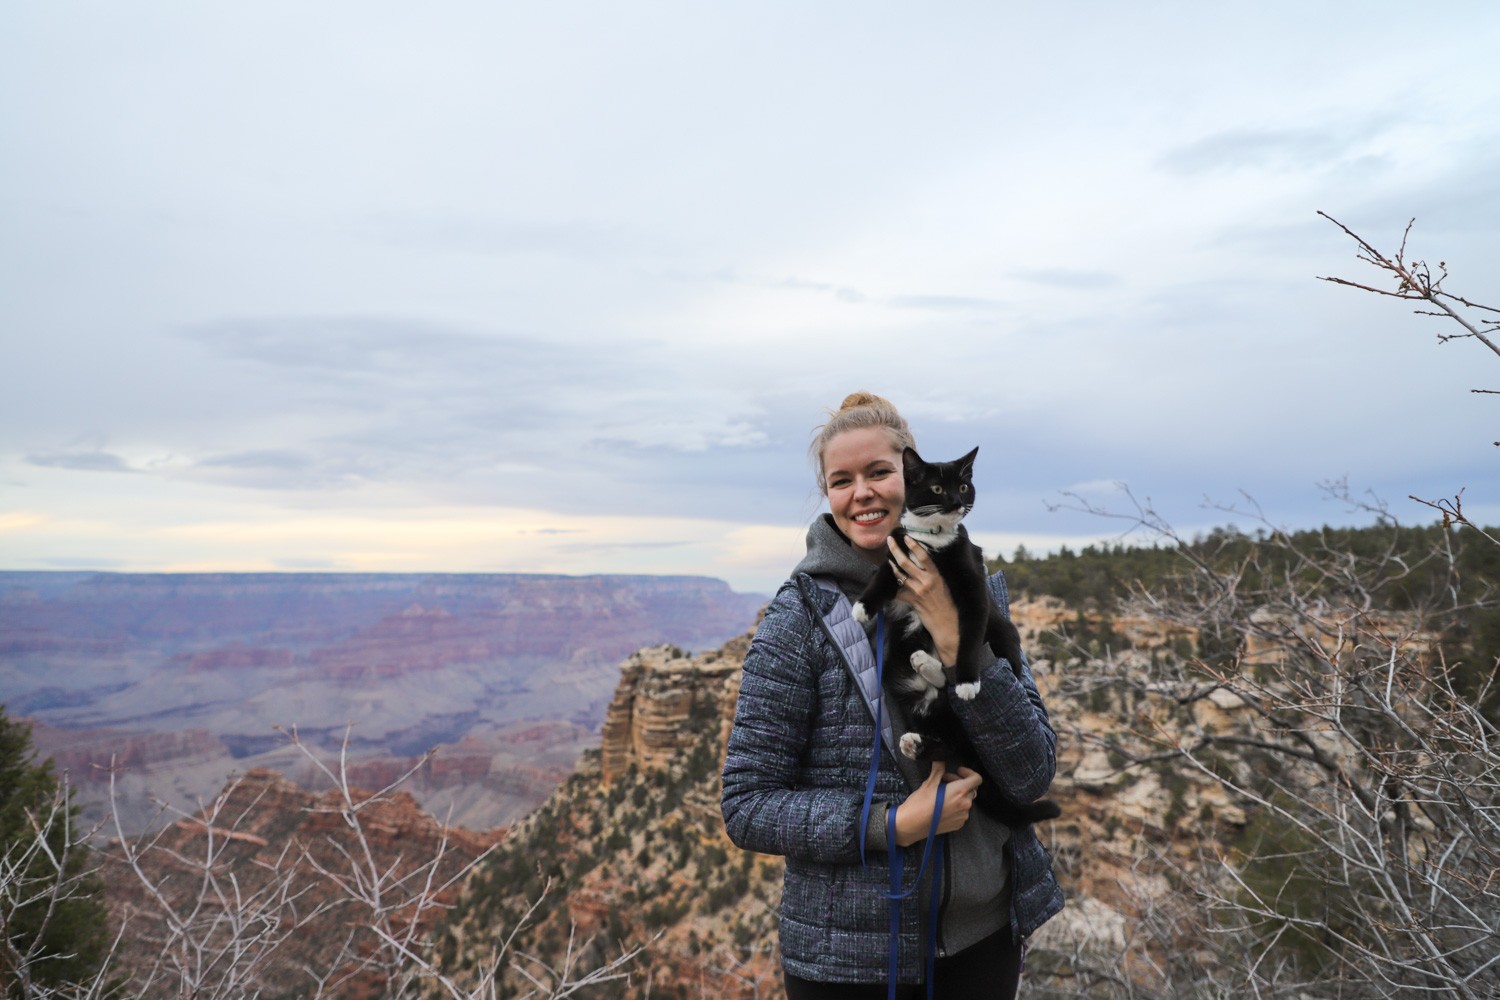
(870, 543)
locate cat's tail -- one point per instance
(1039, 811)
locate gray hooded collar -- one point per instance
(830, 555)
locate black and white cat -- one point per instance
(938, 496)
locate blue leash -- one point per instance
(932, 850)
(864, 815)
(896, 896)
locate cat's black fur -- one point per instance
(938, 495)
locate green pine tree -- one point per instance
(52, 925)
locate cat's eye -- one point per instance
(963, 487)
(936, 488)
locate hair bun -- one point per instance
(861, 399)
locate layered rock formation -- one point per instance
(664, 701)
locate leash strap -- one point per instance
(932, 847)
(864, 812)
(932, 850)
(893, 971)
(932, 913)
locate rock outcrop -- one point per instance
(664, 701)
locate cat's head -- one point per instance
(938, 491)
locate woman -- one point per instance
(799, 758)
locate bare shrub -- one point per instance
(226, 903)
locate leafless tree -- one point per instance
(1359, 750)
(1355, 742)
(218, 910)
(1414, 282)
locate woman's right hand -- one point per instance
(914, 816)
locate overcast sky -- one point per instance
(565, 287)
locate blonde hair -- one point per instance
(858, 411)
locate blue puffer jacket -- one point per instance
(794, 779)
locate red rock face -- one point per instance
(233, 658)
(87, 755)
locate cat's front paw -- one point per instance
(929, 668)
(911, 745)
(860, 614)
(966, 691)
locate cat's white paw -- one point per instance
(929, 668)
(911, 745)
(860, 614)
(967, 691)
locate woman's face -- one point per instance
(862, 478)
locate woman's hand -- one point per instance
(924, 588)
(914, 816)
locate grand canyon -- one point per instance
(1217, 751)
(153, 689)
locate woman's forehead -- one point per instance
(860, 448)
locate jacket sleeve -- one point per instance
(1008, 724)
(769, 804)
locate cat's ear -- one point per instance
(966, 464)
(911, 460)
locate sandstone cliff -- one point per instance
(663, 703)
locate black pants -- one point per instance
(989, 970)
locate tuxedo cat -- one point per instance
(938, 495)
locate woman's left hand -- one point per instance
(924, 588)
